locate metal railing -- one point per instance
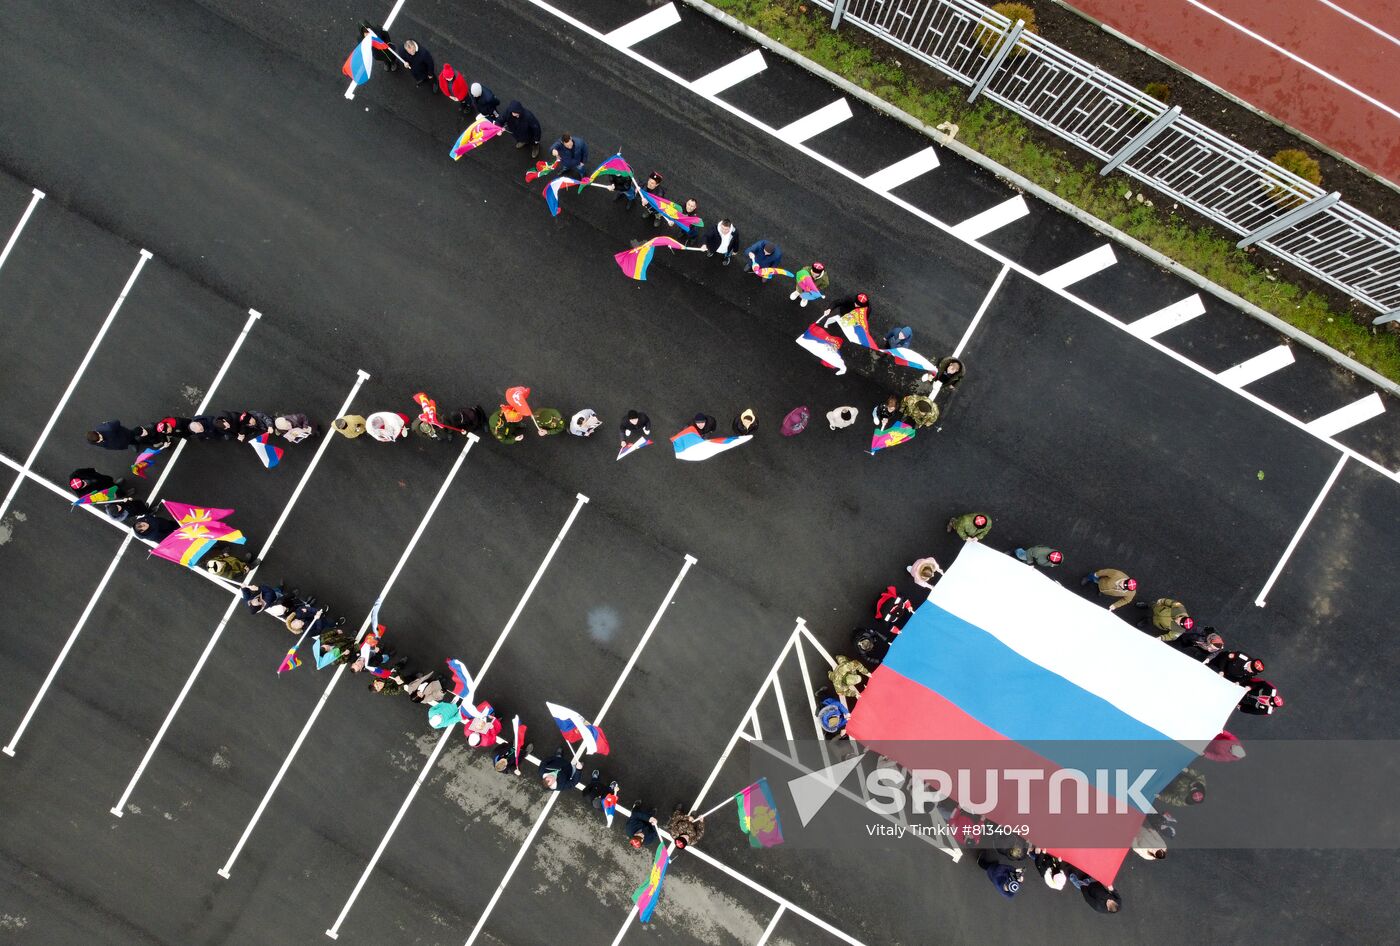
(1132, 132)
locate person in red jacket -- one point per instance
(452, 84)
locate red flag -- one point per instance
(519, 741)
(430, 412)
(516, 398)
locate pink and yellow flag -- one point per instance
(758, 815)
(634, 262)
(477, 134)
(200, 527)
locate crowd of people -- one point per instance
(450, 699)
(1169, 623)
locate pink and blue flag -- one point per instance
(689, 445)
(268, 452)
(577, 729)
(614, 166)
(635, 262)
(1102, 717)
(649, 893)
(360, 61)
(758, 815)
(200, 527)
(143, 461)
(892, 436)
(551, 192)
(672, 212)
(630, 448)
(824, 345)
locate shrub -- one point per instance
(988, 35)
(1301, 164)
(1159, 91)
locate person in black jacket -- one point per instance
(386, 56)
(111, 436)
(641, 826)
(481, 101)
(523, 126)
(634, 425)
(1101, 898)
(87, 480)
(420, 65)
(559, 772)
(153, 527)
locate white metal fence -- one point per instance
(1140, 136)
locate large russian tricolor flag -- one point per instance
(1003, 671)
(574, 728)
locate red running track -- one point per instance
(1349, 100)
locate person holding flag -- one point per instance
(722, 239)
(571, 153)
(765, 254)
(628, 191)
(684, 829)
(641, 826)
(382, 47)
(481, 102)
(523, 126)
(812, 282)
(420, 65)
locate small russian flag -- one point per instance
(575, 728)
(269, 453)
(357, 64)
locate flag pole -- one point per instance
(727, 801)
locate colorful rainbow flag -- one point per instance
(806, 285)
(143, 461)
(614, 166)
(289, 662)
(97, 497)
(892, 436)
(689, 445)
(551, 192)
(630, 448)
(768, 272)
(634, 262)
(758, 815)
(824, 345)
(671, 211)
(649, 893)
(541, 170)
(477, 134)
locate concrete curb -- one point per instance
(1059, 203)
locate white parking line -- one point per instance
(933, 221)
(1343, 418)
(37, 196)
(597, 721)
(644, 27)
(725, 77)
(992, 219)
(9, 749)
(388, 22)
(340, 669)
(767, 930)
(1081, 267)
(120, 807)
(1296, 58)
(1298, 536)
(809, 126)
(334, 931)
(1261, 365)
(73, 384)
(903, 171)
(1164, 320)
